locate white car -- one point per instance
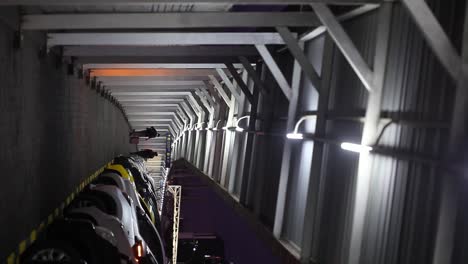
(108, 206)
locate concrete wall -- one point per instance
(54, 132)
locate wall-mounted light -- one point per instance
(190, 127)
(216, 127)
(201, 126)
(356, 147)
(238, 128)
(295, 134)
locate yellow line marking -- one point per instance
(22, 247)
(41, 227)
(33, 236)
(11, 258)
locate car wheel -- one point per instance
(52, 252)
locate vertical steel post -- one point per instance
(246, 172)
(311, 227)
(369, 135)
(444, 243)
(286, 159)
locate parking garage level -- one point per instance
(305, 131)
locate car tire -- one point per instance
(52, 251)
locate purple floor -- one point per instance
(204, 211)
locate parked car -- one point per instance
(142, 209)
(109, 206)
(117, 212)
(74, 241)
(144, 185)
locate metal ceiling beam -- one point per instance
(195, 105)
(150, 88)
(150, 105)
(220, 90)
(204, 102)
(154, 113)
(275, 70)
(188, 111)
(345, 44)
(163, 39)
(296, 50)
(156, 66)
(253, 74)
(229, 84)
(435, 35)
(174, 93)
(151, 72)
(152, 109)
(164, 51)
(149, 120)
(145, 99)
(182, 113)
(207, 94)
(187, 77)
(143, 2)
(168, 20)
(203, 94)
(240, 82)
(128, 59)
(139, 81)
(346, 16)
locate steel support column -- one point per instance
(369, 134)
(286, 159)
(249, 149)
(448, 209)
(311, 220)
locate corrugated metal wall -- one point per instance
(403, 202)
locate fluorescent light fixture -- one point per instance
(294, 136)
(355, 147)
(215, 128)
(199, 126)
(238, 128)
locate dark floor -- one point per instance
(206, 209)
(55, 131)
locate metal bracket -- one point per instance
(275, 70)
(298, 53)
(220, 89)
(435, 35)
(240, 82)
(345, 44)
(253, 74)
